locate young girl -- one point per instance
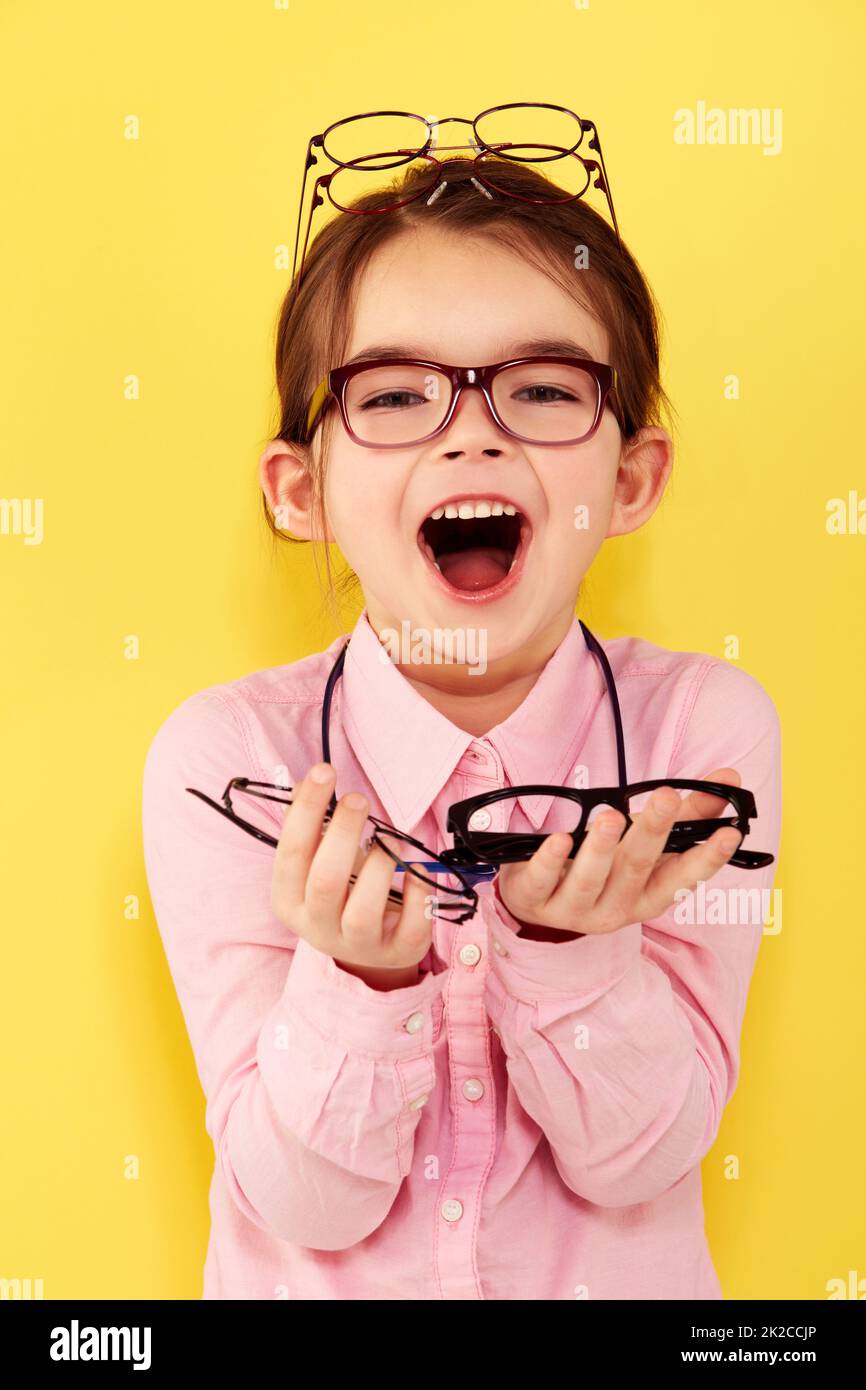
(511, 1102)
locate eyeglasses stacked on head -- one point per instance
(520, 132)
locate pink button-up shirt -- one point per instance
(528, 1120)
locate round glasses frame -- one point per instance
(334, 384)
(432, 126)
(361, 165)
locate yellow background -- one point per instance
(157, 257)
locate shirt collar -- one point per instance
(409, 750)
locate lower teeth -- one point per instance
(431, 556)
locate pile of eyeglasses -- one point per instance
(363, 147)
(478, 851)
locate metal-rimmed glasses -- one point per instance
(377, 140)
(392, 402)
(457, 905)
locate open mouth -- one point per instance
(475, 551)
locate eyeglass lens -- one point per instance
(547, 403)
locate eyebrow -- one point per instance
(531, 347)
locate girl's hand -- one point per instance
(613, 882)
(353, 923)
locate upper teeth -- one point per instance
(467, 510)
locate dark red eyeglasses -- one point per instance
(394, 402)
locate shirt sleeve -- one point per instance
(313, 1081)
(624, 1047)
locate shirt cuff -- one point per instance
(532, 970)
(341, 1006)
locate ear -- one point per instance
(284, 474)
(645, 465)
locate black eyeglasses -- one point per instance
(363, 146)
(393, 402)
(479, 850)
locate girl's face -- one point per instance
(430, 295)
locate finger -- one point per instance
(685, 871)
(369, 928)
(300, 837)
(638, 851)
(536, 878)
(588, 872)
(410, 940)
(703, 805)
(327, 885)
(363, 923)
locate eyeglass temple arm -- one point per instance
(235, 818)
(316, 201)
(316, 403)
(336, 671)
(595, 144)
(315, 140)
(599, 651)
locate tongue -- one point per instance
(478, 568)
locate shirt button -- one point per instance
(499, 948)
(414, 1022)
(470, 954)
(452, 1210)
(418, 1102)
(473, 1090)
(480, 819)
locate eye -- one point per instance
(392, 400)
(537, 390)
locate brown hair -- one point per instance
(314, 327)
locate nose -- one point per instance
(472, 428)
